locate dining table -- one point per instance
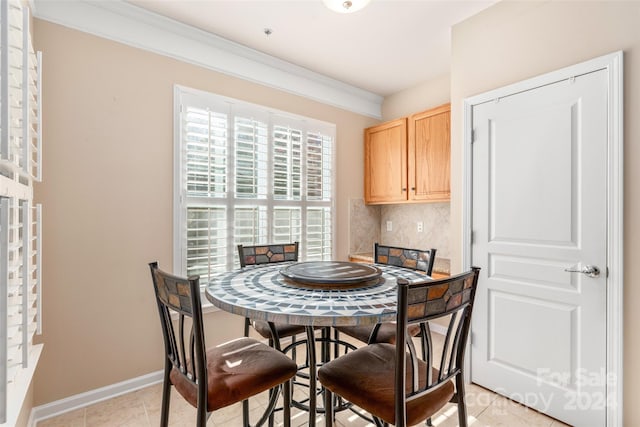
(311, 294)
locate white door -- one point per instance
(540, 209)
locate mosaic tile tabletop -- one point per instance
(262, 293)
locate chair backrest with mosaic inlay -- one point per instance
(182, 344)
(420, 302)
(416, 259)
(267, 254)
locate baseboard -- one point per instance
(31, 422)
(71, 403)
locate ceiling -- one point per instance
(389, 46)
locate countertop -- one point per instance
(441, 265)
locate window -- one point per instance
(246, 174)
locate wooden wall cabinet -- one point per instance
(430, 155)
(408, 160)
(385, 162)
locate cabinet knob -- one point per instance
(413, 188)
(404, 189)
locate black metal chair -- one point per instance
(210, 379)
(416, 259)
(268, 254)
(274, 332)
(392, 382)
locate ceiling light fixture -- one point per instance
(346, 6)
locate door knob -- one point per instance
(589, 270)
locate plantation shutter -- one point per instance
(319, 186)
(20, 217)
(204, 140)
(248, 175)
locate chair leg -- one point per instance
(274, 342)
(328, 408)
(462, 407)
(272, 416)
(245, 413)
(286, 411)
(166, 396)
(247, 324)
(202, 414)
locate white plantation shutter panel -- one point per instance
(20, 93)
(248, 175)
(32, 104)
(319, 187)
(206, 240)
(33, 113)
(11, 51)
(23, 285)
(15, 271)
(319, 232)
(319, 166)
(34, 282)
(287, 224)
(204, 136)
(4, 303)
(20, 285)
(250, 225)
(287, 163)
(205, 139)
(20, 218)
(251, 150)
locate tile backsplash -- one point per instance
(364, 226)
(368, 224)
(435, 218)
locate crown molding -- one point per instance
(128, 24)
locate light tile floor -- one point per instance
(142, 409)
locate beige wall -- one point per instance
(512, 41)
(426, 95)
(27, 406)
(107, 196)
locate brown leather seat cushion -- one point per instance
(237, 370)
(386, 333)
(283, 329)
(366, 378)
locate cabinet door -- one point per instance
(429, 155)
(385, 162)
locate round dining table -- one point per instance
(266, 292)
(263, 293)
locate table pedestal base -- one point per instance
(307, 371)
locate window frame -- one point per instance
(273, 117)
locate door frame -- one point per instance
(613, 64)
